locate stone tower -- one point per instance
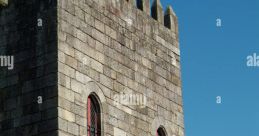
(89, 68)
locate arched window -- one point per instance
(160, 132)
(93, 116)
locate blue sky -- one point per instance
(214, 64)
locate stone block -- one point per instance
(61, 56)
(71, 61)
(66, 115)
(82, 77)
(119, 132)
(63, 68)
(81, 35)
(106, 81)
(66, 93)
(99, 25)
(78, 110)
(73, 128)
(111, 32)
(96, 66)
(77, 86)
(82, 121)
(64, 80)
(101, 37)
(79, 13)
(62, 124)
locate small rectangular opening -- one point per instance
(140, 4)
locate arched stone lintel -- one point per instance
(160, 122)
(93, 87)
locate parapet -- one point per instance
(154, 10)
(168, 19)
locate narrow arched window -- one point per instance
(160, 132)
(93, 116)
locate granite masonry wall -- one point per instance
(34, 75)
(108, 48)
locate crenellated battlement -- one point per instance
(127, 9)
(168, 18)
(155, 10)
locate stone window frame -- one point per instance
(94, 88)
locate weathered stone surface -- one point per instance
(109, 48)
(66, 115)
(73, 128)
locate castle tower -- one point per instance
(89, 68)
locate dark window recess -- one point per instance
(160, 132)
(93, 117)
(140, 4)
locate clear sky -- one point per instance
(214, 64)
